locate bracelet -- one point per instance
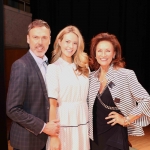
(126, 121)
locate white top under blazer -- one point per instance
(131, 97)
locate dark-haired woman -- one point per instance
(118, 105)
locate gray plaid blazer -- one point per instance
(27, 104)
(126, 92)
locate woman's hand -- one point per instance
(115, 118)
(55, 143)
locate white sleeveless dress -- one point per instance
(71, 92)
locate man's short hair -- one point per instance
(38, 23)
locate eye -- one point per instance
(99, 50)
(44, 37)
(76, 43)
(35, 37)
(107, 50)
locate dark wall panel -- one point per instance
(3, 132)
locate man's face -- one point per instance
(39, 40)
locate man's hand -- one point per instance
(55, 143)
(52, 128)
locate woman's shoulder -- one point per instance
(54, 66)
(91, 73)
(56, 63)
(125, 72)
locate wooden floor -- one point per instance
(139, 143)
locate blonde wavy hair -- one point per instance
(80, 58)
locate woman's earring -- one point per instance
(114, 56)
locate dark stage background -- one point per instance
(128, 20)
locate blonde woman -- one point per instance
(67, 86)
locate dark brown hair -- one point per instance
(117, 61)
(38, 23)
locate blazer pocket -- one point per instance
(117, 100)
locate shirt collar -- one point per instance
(38, 60)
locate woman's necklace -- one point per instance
(103, 79)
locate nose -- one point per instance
(70, 45)
(40, 41)
(103, 53)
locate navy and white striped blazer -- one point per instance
(128, 95)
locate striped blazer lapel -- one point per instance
(111, 81)
(95, 85)
(93, 90)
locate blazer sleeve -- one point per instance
(140, 95)
(16, 96)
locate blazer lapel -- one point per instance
(37, 69)
(95, 85)
(111, 81)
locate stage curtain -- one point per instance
(128, 20)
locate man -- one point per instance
(27, 100)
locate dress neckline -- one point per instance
(64, 61)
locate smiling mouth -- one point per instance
(39, 48)
(69, 51)
(103, 59)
